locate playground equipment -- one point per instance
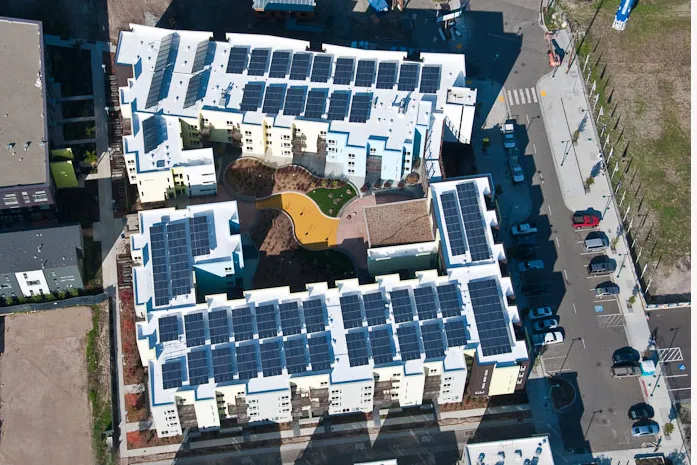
(554, 58)
(622, 14)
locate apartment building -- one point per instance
(361, 115)
(283, 9)
(41, 261)
(180, 256)
(25, 183)
(532, 450)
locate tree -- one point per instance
(575, 136)
(668, 428)
(91, 157)
(631, 300)
(589, 182)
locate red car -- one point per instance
(582, 220)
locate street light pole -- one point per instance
(566, 151)
(624, 259)
(607, 206)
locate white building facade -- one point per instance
(361, 115)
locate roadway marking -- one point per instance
(515, 95)
(679, 389)
(613, 320)
(534, 149)
(550, 210)
(556, 239)
(527, 94)
(534, 97)
(527, 118)
(584, 344)
(676, 376)
(566, 276)
(574, 304)
(510, 97)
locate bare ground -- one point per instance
(647, 72)
(43, 388)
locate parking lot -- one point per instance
(671, 328)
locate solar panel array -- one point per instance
(365, 73)
(320, 352)
(357, 345)
(242, 324)
(164, 64)
(456, 234)
(199, 371)
(381, 345)
(280, 63)
(223, 364)
(200, 236)
(408, 76)
(295, 351)
(409, 346)
(489, 317)
(168, 328)
(474, 221)
(258, 61)
(289, 313)
(273, 100)
(425, 299)
(171, 267)
(201, 56)
(449, 299)
(360, 108)
(432, 336)
(237, 60)
(295, 101)
(316, 103)
(267, 322)
(247, 357)
(154, 133)
(270, 354)
(375, 308)
(456, 333)
(343, 72)
(401, 305)
(195, 331)
(171, 374)
(321, 68)
(251, 96)
(300, 67)
(430, 80)
(219, 326)
(351, 311)
(387, 75)
(338, 105)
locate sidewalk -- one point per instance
(564, 106)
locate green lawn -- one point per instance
(330, 201)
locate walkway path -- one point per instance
(564, 106)
(312, 228)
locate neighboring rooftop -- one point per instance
(285, 5)
(23, 125)
(525, 451)
(399, 223)
(38, 249)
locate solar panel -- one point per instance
(280, 62)
(456, 234)
(351, 311)
(456, 333)
(273, 101)
(295, 353)
(218, 326)
(425, 300)
(270, 352)
(237, 61)
(300, 67)
(199, 370)
(365, 73)
(168, 328)
(159, 265)
(267, 323)
(289, 314)
(242, 324)
(401, 306)
(408, 338)
(258, 62)
(338, 105)
(200, 237)
(432, 335)
(163, 60)
(375, 308)
(449, 299)
(381, 346)
(171, 374)
(315, 316)
(430, 79)
(474, 221)
(223, 364)
(295, 101)
(360, 108)
(320, 353)
(357, 345)
(152, 133)
(195, 332)
(489, 317)
(321, 68)
(200, 56)
(251, 98)
(387, 75)
(179, 266)
(343, 72)
(408, 76)
(192, 92)
(247, 361)
(316, 103)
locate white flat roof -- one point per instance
(393, 113)
(533, 450)
(175, 283)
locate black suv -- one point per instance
(626, 356)
(601, 265)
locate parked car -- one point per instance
(508, 133)
(534, 289)
(524, 228)
(584, 220)
(531, 265)
(541, 312)
(516, 170)
(626, 356)
(601, 265)
(546, 339)
(649, 429)
(525, 240)
(543, 325)
(607, 288)
(625, 371)
(596, 241)
(641, 411)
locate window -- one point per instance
(40, 196)
(352, 156)
(323, 133)
(286, 137)
(5, 286)
(229, 123)
(10, 199)
(351, 163)
(351, 171)
(331, 142)
(248, 133)
(372, 149)
(249, 141)
(249, 149)
(285, 144)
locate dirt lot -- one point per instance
(43, 387)
(647, 75)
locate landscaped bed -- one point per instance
(250, 177)
(133, 371)
(142, 439)
(136, 407)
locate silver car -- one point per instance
(650, 429)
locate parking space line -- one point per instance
(680, 389)
(534, 149)
(566, 275)
(584, 342)
(550, 210)
(574, 305)
(676, 376)
(560, 356)
(527, 118)
(613, 320)
(556, 239)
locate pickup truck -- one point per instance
(582, 220)
(508, 133)
(516, 170)
(626, 371)
(524, 228)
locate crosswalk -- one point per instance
(524, 96)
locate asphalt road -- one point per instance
(671, 328)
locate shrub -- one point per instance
(631, 300)
(590, 181)
(36, 299)
(575, 136)
(668, 428)
(73, 292)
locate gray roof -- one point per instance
(39, 248)
(22, 105)
(299, 5)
